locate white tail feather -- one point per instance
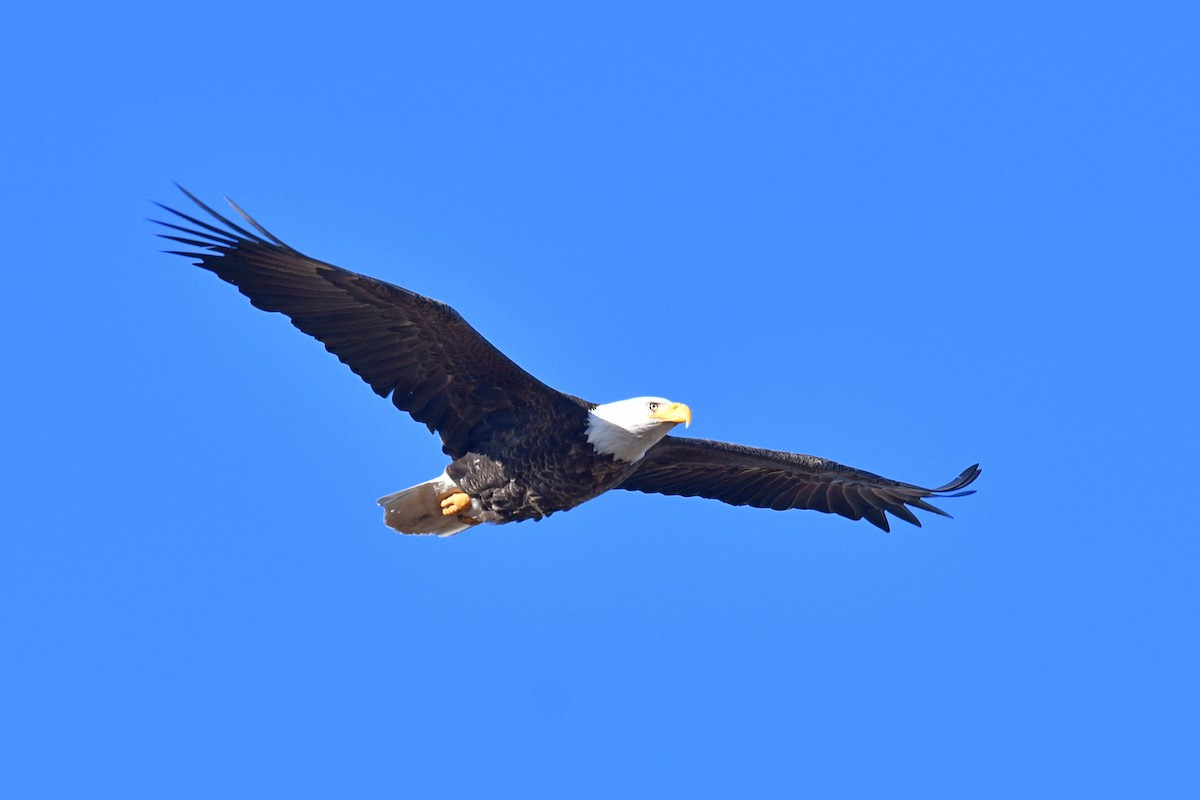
(416, 509)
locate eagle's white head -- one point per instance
(626, 429)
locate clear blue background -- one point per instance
(906, 237)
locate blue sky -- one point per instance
(908, 238)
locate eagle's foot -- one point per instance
(455, 503)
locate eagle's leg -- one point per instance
(454, 502)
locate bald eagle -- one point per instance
(519, 449)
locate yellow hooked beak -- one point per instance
(675, 412)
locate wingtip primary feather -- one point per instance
(228, 236)
(250, 220)
(964, 479)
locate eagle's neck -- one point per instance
(612, 433)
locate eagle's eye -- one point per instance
(652, 406)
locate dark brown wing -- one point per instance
(747, 476)
(421, 352)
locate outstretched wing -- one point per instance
(417, 350)
(744, 476)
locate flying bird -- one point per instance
(519, 449)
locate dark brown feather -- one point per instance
(772, 479)
(415, 349)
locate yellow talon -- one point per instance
(455, 503)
